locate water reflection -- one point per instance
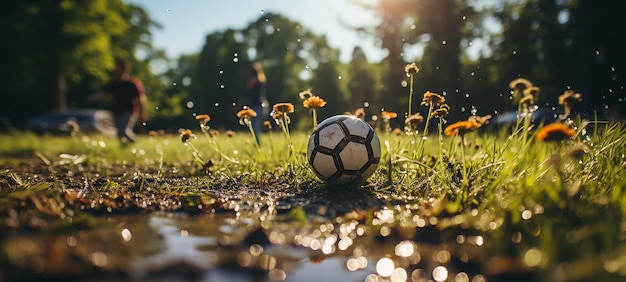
(250, 242)
(242, 246)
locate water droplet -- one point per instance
(168, 10)
(235, 60)
(444, 42)
(473, 111)
(221, 72)
(262, 11)
(533, 257)
(173, 83)
(467, 95)
(366, 104)
(384, 267)
(440, 273)
(597, 53)
(217, 104)
(514, 52)
(339, 77)
(189, 104)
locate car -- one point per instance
(87, 121)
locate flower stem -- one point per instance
(410, 96)
(465, 181)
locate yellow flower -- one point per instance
(554, 132)
(267, 125)
(388, 115)
(432, 98)
(460, 127)
(185, 135)
(411, 69)
(314, 102)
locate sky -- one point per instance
(185, 23)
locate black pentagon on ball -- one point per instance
(338, 144)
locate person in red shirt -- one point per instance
(128, 101)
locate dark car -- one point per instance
(88, 121)
(540, 116)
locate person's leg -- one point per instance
(125, 123)
(257, 122)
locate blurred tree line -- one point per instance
(57, 52)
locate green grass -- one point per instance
(557, 206)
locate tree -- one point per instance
(363, 85)
(289, 53)
(560, 45)
(54, 42)
(438, 26)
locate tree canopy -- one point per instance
(63, 50)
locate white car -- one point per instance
(89, 121)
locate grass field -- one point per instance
(554, 208)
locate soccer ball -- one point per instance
(343, 149)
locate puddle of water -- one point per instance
(225, 247)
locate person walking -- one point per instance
(255, 97)
(128, 101)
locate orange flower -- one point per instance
(314, 102)
(432, 98)
(360, 113)
(246, 113)
(185, 135)
(460, 127)
(397, 131)
(443, 111)
(267, 125)
(283, 108)
(480, 120)
(554, 132)
(203, 119)
(388, 115)
(414, 120)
